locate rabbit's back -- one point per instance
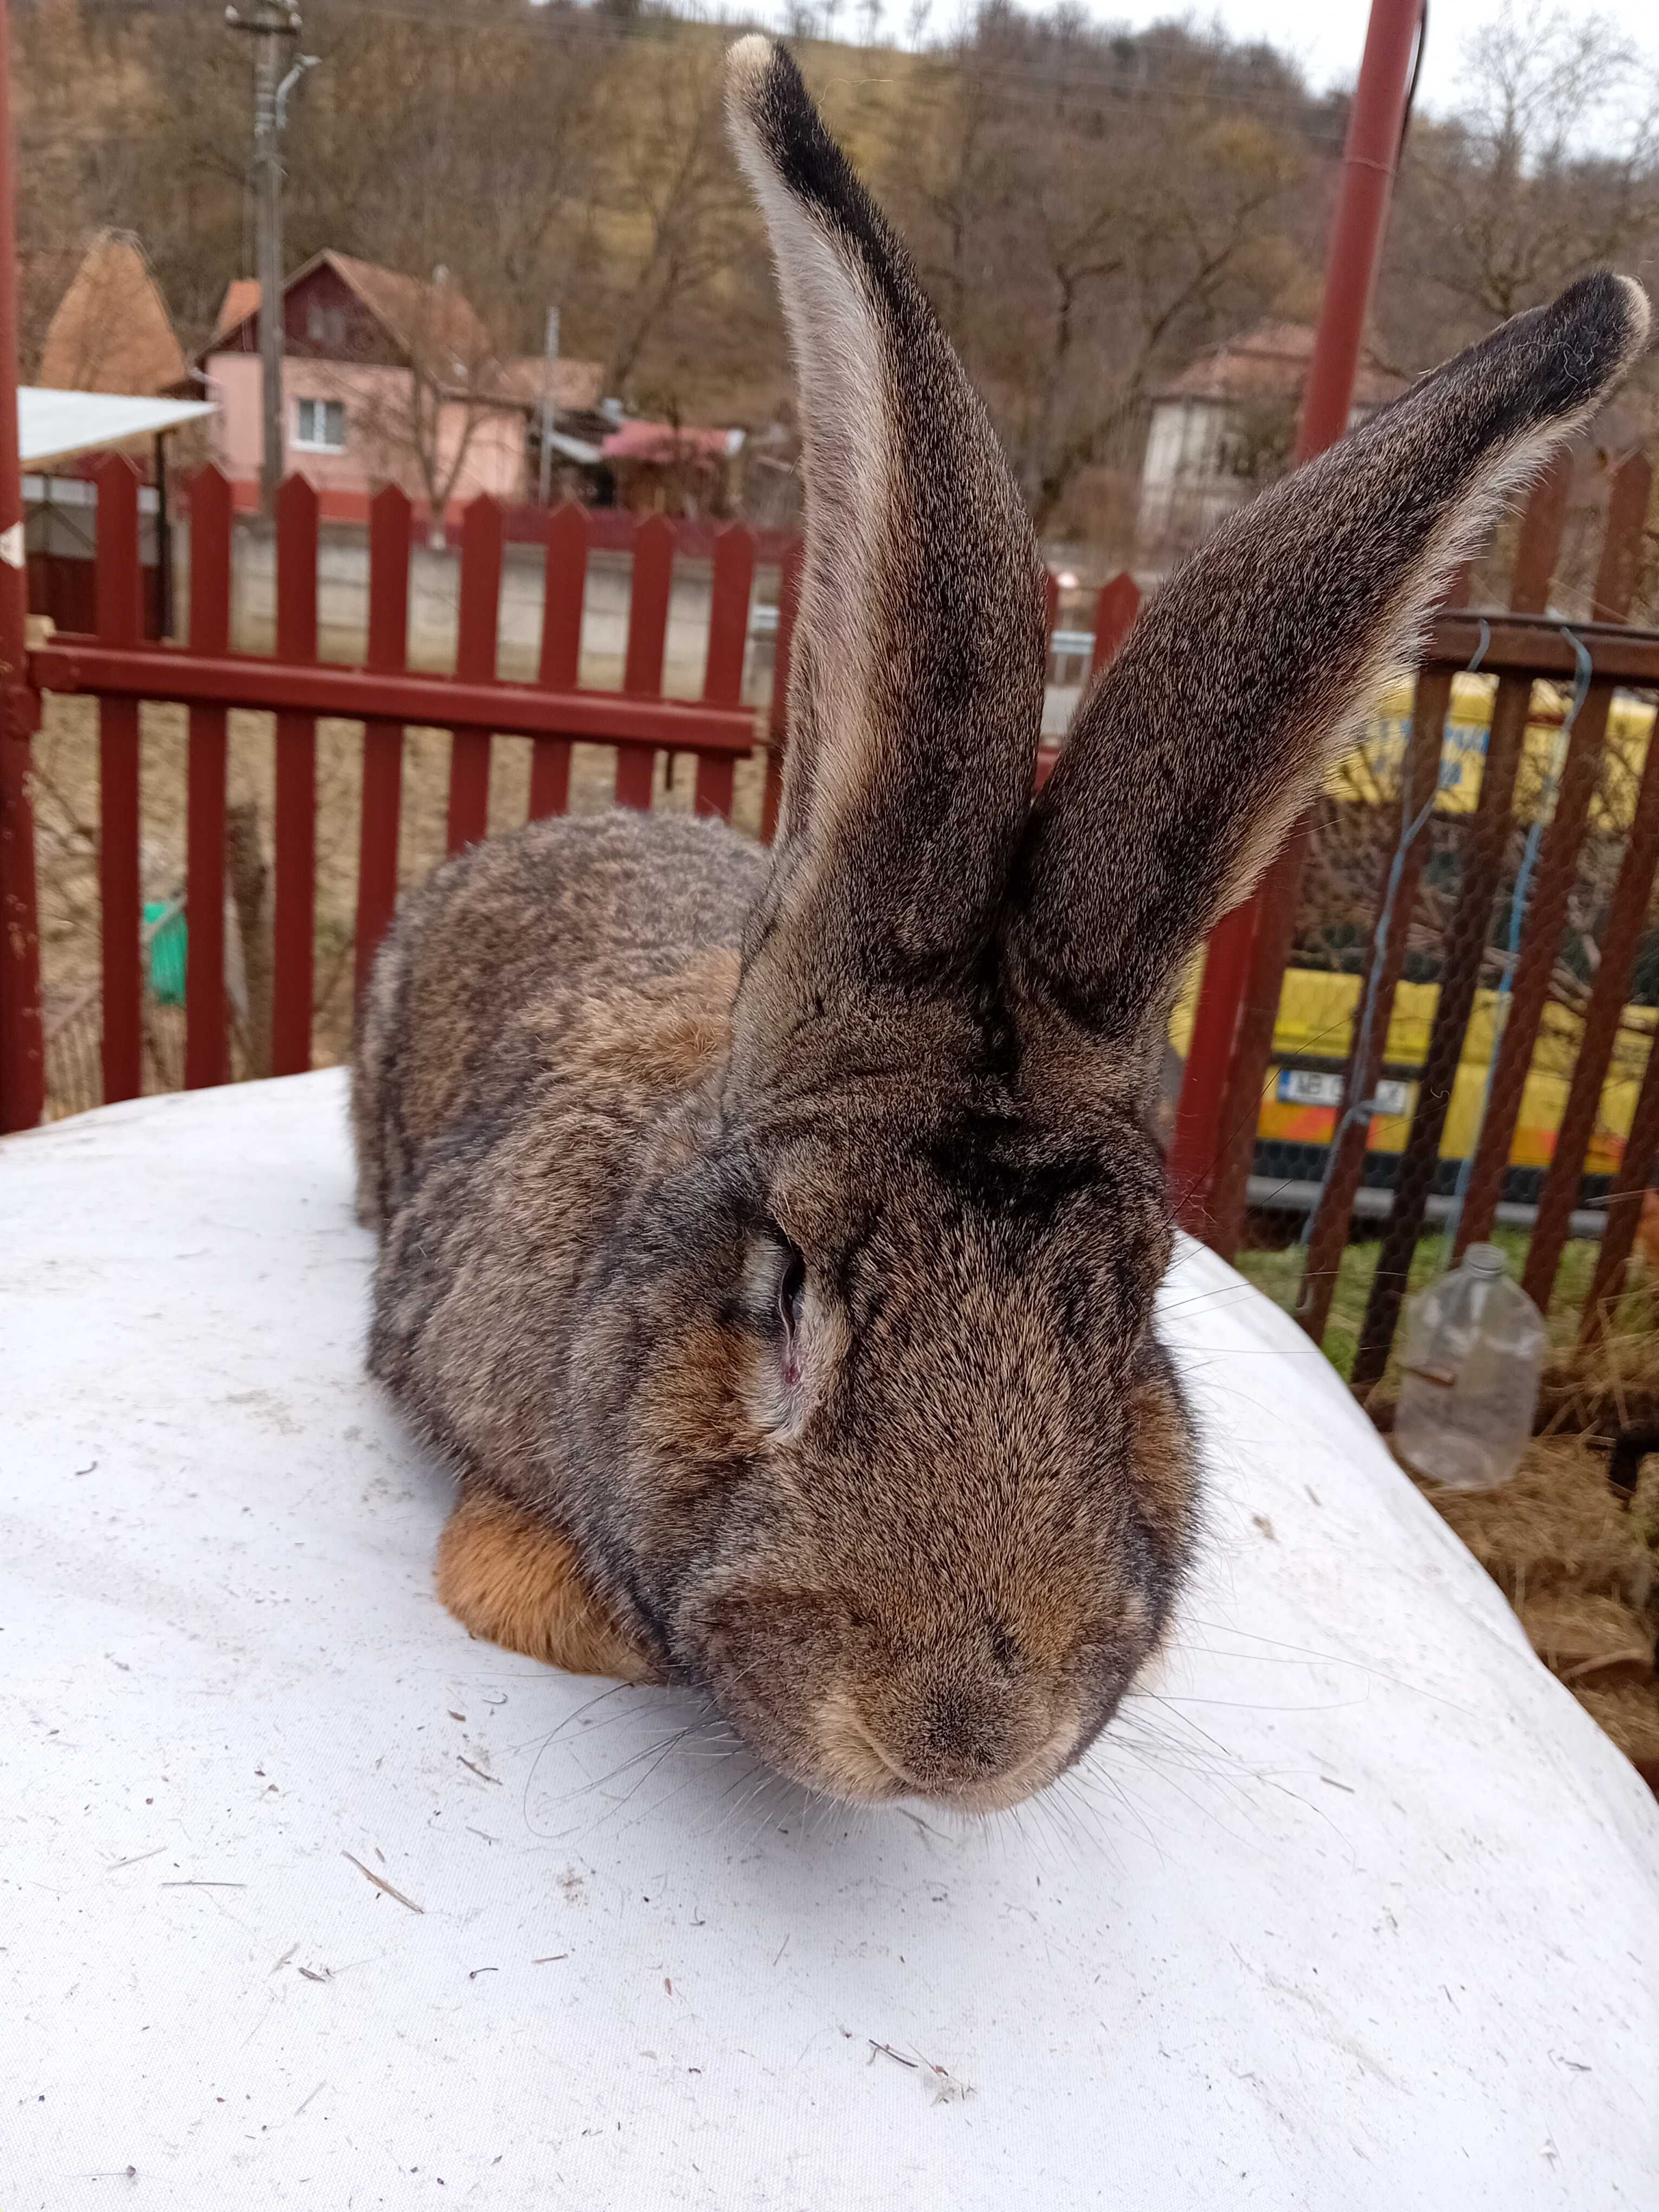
(534, 927)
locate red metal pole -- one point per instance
(1369, 158)
(1374, 127)
(1203, 1090)
(22, 1057)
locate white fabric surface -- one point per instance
(1360, 1910)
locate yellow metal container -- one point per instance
(1316, 1010)
(1317, 1014)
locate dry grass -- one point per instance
(1619, 1365)
(1582, 1572)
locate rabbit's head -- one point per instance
(905, 1479)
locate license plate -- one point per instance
(1306, 1086)
(1301, 1086)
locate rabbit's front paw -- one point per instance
(507, 1575)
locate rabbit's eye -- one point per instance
(792, 1289)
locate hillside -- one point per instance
(1088, 208)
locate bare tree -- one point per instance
(1088, 208)
(468, 141)
(678, 211)
(1549, 168)
(419, 420)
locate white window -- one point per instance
(319, 425)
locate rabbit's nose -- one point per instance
(957, 1737)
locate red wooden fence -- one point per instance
(118, 666)
(120, 906)
(207, 1057)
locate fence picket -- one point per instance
(119, 588)
(390, 520)
(1195, 1146)
(1115, 615)
(483, 538)
(294, 925)
(1626, 918)
(22, 1041)
(207, 1056)
(1558, 860)
(563, 594)
(1487, 837)
(647, 635)
(728, 639)
(1624, 1203)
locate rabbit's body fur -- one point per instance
(771, 1240)
(538, 1094)
(559, 926)
(524, 1089)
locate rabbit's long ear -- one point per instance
(916, 686)
(1243, 679)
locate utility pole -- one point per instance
(549, 354)
(22, 1055)
(273, 25)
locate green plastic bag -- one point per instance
(167, 954)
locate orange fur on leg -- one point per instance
(507, 1575)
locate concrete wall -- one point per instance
(434, 601)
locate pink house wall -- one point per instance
(373, 398)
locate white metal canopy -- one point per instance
(56, 426)
(306, 1900)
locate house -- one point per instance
(111, 377)
(386, 378)
(110, 331)
(673, 468)
(60, 434)
(1224, 425)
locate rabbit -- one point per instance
(770, 1239)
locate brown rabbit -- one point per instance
(770, 1240)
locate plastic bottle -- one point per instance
(1474, 1354)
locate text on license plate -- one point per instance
(1305, 1086)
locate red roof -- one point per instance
(240, 305)
(111, 331)
(1272, 358)
(418, 316)
(665, 442)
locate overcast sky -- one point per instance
(1326, 36)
